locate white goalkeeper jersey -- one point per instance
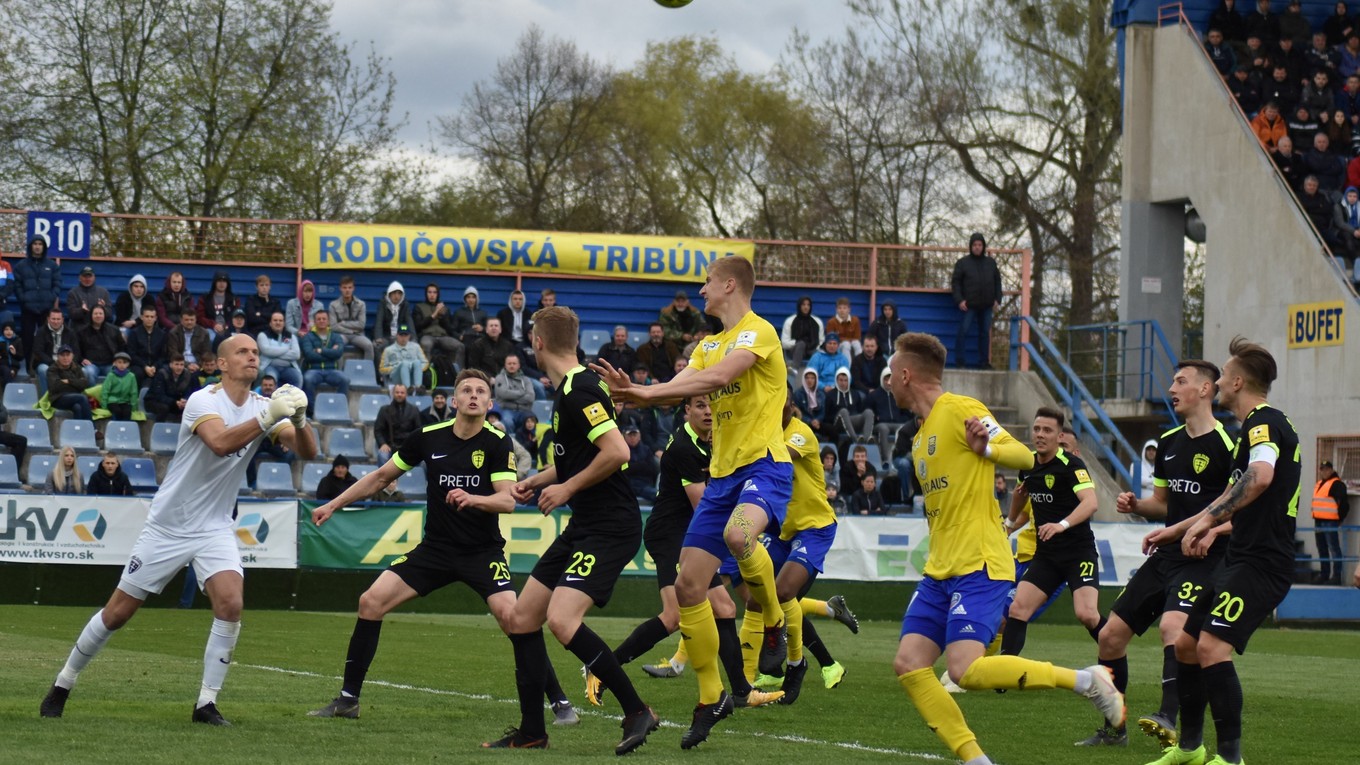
(198, 495)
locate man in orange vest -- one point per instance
(1330, 506)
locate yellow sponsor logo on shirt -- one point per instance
(1083, 476)
(1258, 435)
(595, 413)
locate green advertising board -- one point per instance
(374, 536)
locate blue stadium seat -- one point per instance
(275, 478)
(88, 465)
(421, 402)
(78, 434)
(361, 470)
(9, 472)
(312, 473)
(361, 374)
(412, 483)
(39, 466)
(637, 338)
(332, 409)
(875, 458)
(369, 404)
(21, 398)
(123, 437)
(592, 339)
(35, 430)
(543, 411)
(164, 437)
(141, 473)
(347, 441)
(244, 490)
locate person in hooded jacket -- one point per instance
(802, 333)
(516, 321)
(846, 408)
(1145, 477)
(393, 312)
(469, 322)
(297, 315)
(37, 283)
(6, 291)
(127, 309)
(1228, 20)
(826, 361)
(976, 285)
(172, 301)
(434, 327)
(280, 353)
(887, 327)
(216, 306)
(810, 401)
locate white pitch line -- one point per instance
(850, 745)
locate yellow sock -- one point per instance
(813, 607)
(793, 622)
(757, 570)
(1016, 673)
(700, 632)
(681, 657)
(752, 632)
(940, 712)
(994, 647)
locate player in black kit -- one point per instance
(1063, 499)
(684, 474)
(1254, 576)
(470, 470)
(1193, 463)
(582, 565)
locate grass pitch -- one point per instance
(441, 684)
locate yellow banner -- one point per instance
(350, 246)
(1316, 324)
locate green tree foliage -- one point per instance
(249, 108)
(1025, 95)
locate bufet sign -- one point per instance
(1312, 325)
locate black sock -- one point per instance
(729, 653)
(644, 638)
(1120, 669)
(1170, 696)
(595, 654)
(363, 644)
(812, 643)
(1190, 685)
(531, 665)
(1013, 636)
(551, 688)
(1095, 632)
(1225, 698)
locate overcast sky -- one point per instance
(439, 48)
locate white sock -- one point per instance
(91, 640)
(1084, 680)
(798, 663)
(981, 759)
(830, 612)
(217, 659)
(678, 666)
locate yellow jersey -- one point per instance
(747, 412)
(1028, 540)
(965, 531)
(808, 508)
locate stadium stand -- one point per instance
(123, 437)
(39, 465)
(35, 429)
(164, 438)
(9, 472)
(21, 399)
(275, 479)
(412, 483)
(78, 434)
(332, 409)
(361, 374)
(312, 473)
(346, 441)
(141, 473)
(369, 404)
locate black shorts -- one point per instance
(427, 568)
(586, 560)
(664, 539)
(1079, 568)
(1237, 600)
(1160, 585)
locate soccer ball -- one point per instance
(673, 3)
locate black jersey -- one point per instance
(582, 413)
(471, 464)
(1053, 488)
(1194, 471)
(1263, 531)
(684, 462)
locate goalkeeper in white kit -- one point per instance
(192, 517)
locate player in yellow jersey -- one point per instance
(742, 371)
(969, 572)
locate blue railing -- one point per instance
(1069, 388)
(1134, 358)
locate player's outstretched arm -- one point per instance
(1153, 508)
(1017, 516)
(359, 491)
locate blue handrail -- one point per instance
(1074, 394)
(1142, 351)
